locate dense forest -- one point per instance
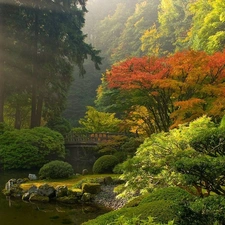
(153, 28)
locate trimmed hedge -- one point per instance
(30, 148)
(56, 169)
(105, 164)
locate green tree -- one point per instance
(207, 32)
(38, 27)
(95, 121)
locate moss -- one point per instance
(162, 211)
(174, 194)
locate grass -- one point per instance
(71, 183)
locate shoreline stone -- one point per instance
(99, 194)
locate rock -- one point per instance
(26, 196)
(33, 189)
(92, 188)
(108, 180)
(84, 172)
(46, 190)
(86, 197)
(9, 184)
(20, 181)
(32, 177)
(16, 190)
(39, 198)
(61, 191)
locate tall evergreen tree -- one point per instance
(50, 33)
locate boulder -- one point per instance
(10, 183)
(46, 190)
(16, 191)
(84, 172)
(26, 196)
(32, 176)
(61, 191)
(108, 180)
(86, 197)
(39, 198)
(92, 188)
(33, 189)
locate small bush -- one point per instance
(105, 164)
(56, 169)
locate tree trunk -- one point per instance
(34, 120)
(1, 67)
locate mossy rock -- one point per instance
(86, 197)
(38, 198)
(75, 192)
(92, 188)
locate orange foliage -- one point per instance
(192, 80)
(137, 73)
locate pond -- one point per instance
(15, 211)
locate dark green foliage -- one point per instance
(59, 124)
(30, 148)
(4, 127)
(210, 142)
(105, 164)
(56, 169)
(210, 209)
(203, 211)
(174, 194)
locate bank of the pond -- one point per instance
(15, 211)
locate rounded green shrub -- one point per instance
(56, 169)
(105, 164)
(30, 148)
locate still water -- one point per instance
(17, 212)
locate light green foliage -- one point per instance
(207, 32)
(171, 32)
(95, 121)
(153, 164)
(30, 148)
(129, 43)
(105, 164)
(56, 170)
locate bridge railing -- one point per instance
(89, 137)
